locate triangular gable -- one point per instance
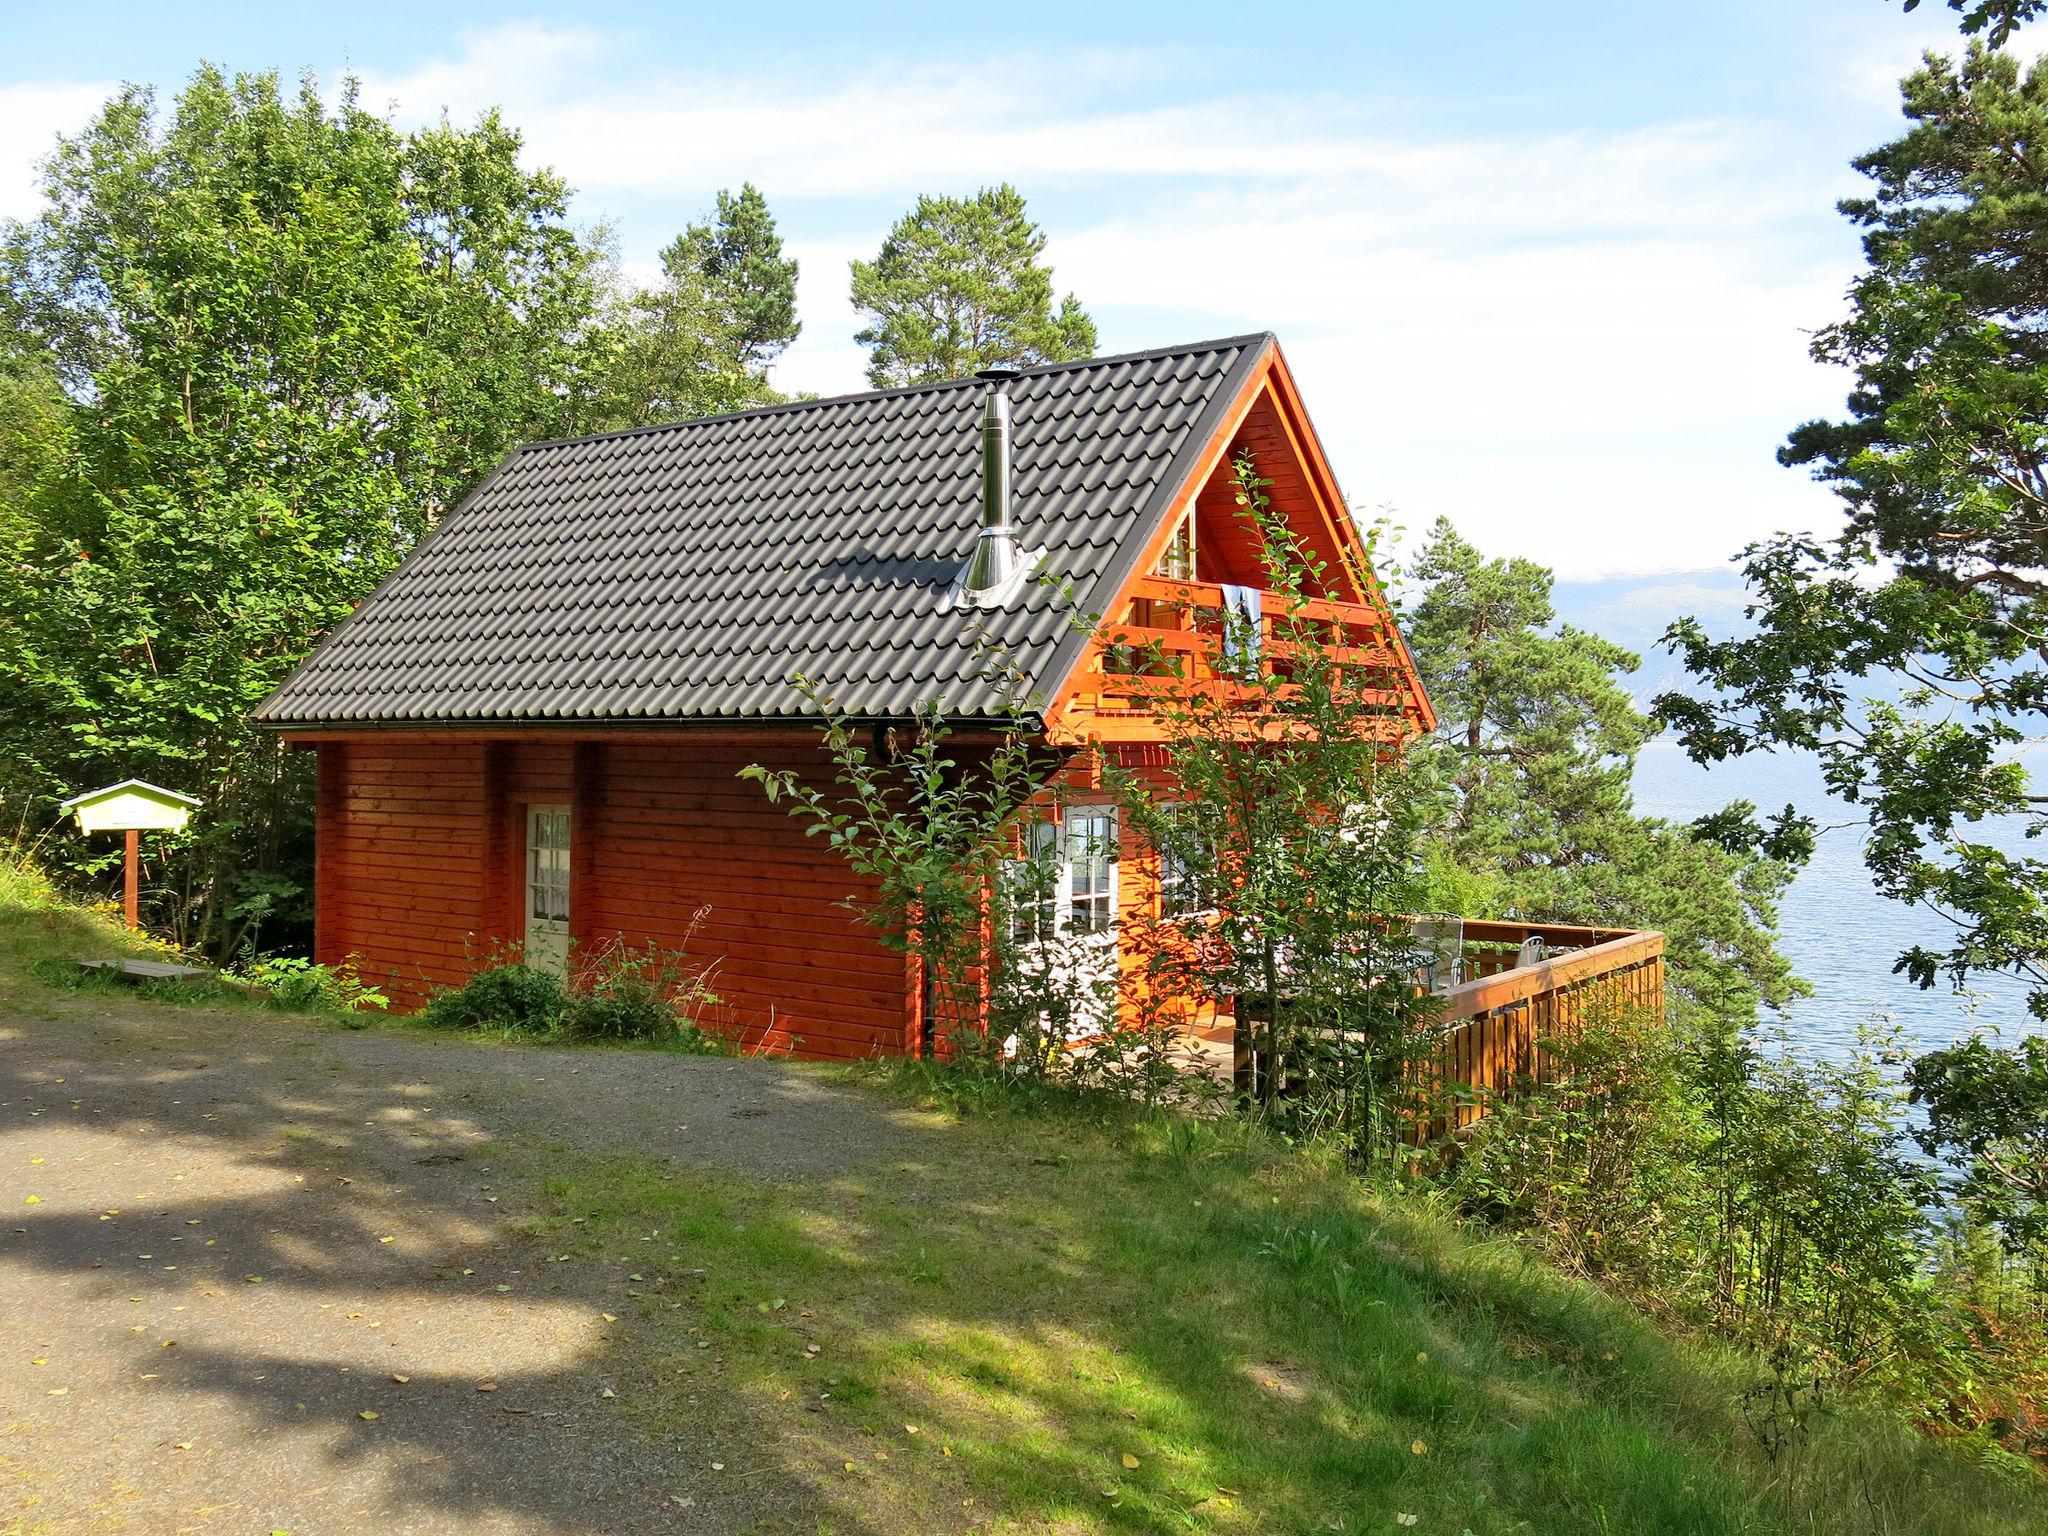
(1266, 419)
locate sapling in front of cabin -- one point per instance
(1290, 818)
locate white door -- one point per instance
(547, 888)
(1069, 934)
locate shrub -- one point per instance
(650, 994)
(1599, 1159)
(622, 993)
(507, 997)
(23, 884)
(301, 986)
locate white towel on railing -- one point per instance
(1243, 634)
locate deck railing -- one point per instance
(1497, 1020)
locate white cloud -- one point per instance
(1581, 346)
(32, 114)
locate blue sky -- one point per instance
(1547, 270)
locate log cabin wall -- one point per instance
(419, 874)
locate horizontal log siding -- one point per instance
(691, 856)
(401, 841)
(419, 868)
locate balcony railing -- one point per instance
(1508, 992)
(1524, 985)
(1169, 642)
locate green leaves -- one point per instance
(1540, 738)
(289, 338)
(957, 287)
(1986, 1113)
(700, 341)
(1906, 652)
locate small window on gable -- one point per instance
(1177, 563)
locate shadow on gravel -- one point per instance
(268, 1276)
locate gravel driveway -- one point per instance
(268, 1275)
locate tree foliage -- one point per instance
(957, 287)
(1997, 20)
(701, 340)
(274, 340)
(1542, 739)
(1986, 1111)
(1909, 652)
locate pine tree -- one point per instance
(749, 286)
(1905, 653)
(1542, 739)
(701, 341)
(957, 287)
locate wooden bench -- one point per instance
(135, 971)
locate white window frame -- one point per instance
(1094, 887)
(1098, 896)
(547, 864)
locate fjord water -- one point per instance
(1837, 931)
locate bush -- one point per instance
(23, 884)
(1773, 1202)
(507, 998)
(1598, 1159)
(622, 993)
(648, 994)
(300, 986)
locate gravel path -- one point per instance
(262, 1272)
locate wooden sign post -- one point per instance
(134, 807)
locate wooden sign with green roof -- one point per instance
(133, 806)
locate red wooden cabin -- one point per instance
(532, 733)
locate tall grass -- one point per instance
(1088, 1319)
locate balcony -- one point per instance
(1168, 642)
(1523, 984)
(1506, 990)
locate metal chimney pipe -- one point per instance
(996, 564)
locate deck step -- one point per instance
(147, 970)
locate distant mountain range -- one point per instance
(1635, 610)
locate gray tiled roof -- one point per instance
(687, 571)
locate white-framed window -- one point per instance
(1036, 876)
(1177, 562)
(1091, 868)
(547, 863)
(1064, 878)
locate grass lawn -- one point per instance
(1153, 1326)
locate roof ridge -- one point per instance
(1143, 354)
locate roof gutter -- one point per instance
(639, 725)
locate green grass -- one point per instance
(40, 930)
(1278, 1347)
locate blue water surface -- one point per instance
(1834, 927)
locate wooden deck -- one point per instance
(1495, 1023)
